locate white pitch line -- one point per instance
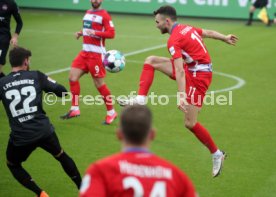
(127, 54)
(240, 82)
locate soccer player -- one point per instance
(191, 67)
(7, 9)
(135, 171)
(97, 26)
(258, 4)
(21, 95)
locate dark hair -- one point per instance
(168, 11)
(17, 56)
(136, 123)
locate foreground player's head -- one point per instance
(165, 17)
(20, 57)
(96, 3)
(136, 126)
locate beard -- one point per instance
(96, 5)
(164, 31)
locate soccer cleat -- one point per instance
(71, 114)
(218, 163)
(110, 119)
(43, 194)
(131, 101)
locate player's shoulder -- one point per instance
(109, 160)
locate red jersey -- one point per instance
(186, 42)
(131, 174)
(99, 21)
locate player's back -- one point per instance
(187, 41)
(137, 174)
(21, 94)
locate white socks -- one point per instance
(111, 112)
(73, 108)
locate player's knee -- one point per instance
(189, 124)
(98, 83)
(73, 76)
(150, 60)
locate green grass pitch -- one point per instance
(245, 130)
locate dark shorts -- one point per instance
(4, 47)
(260, 3)
(18, 154)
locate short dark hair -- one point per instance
(17, 56)
(168, 11)
(135, 122)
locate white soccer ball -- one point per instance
(114, 61)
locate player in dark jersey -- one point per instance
(135, 171)
(21, 94)
(8, 8)
(258, 4)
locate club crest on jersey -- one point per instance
(4, 7)
(172, 50)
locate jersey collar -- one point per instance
(174, 25)
(136, 150)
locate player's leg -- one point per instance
(107, 98)
(196, 87)
(51, 144)
(77, 70)
(15, 156)
(98, 73)
(151, 64)
(203, 135)
(251, 14)
(4, 47)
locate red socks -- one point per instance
(105, 92)
(203, 135)
(146, 79)
(75, 90)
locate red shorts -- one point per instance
(197, 84)
(94, 65)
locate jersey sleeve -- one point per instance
(49, 85)
(109, 31)
(174, 49)
(17, 18)
(198, 30)
(93, 184)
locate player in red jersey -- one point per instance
(135, 171)
(191, 67)
(97, 26)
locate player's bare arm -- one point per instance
(14, 40)
(229, 39)
(78, 34)
(181, 83)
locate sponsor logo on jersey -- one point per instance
(87, 24)
(172, 50)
